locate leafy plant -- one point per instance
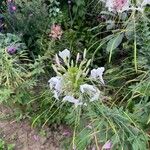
(99, 123)
(47, 111)
(18, 75)
(4, 146)
(109, 113)
(122, 28)
(31, 20)
(11, 40)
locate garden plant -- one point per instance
(79, 64)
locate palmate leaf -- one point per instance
(139, 143)
(84, 139)
(114, 43)
(119, 126)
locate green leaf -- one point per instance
(79, 2)
(114, 43)
(148, 120)
(4, 94)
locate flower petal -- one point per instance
(100, 71)
(56, 94)
(71, 99)
(55, 83)
(145, 2)
(117, 5)
(93, 74)
(107, 145)
(92, 91)
(87, 88)
(98, 74)
(64, 54)
(95, 96)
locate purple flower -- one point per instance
(69, 2)
(11, 6)
(11, 50)
(107, 145)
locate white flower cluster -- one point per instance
(57, 84)
(125, 5)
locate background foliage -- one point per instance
(118, 41)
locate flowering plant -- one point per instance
(56, 32)
(125, 5)
(11, 6)
(12, 43)
(71, 82)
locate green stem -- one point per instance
(135, 44)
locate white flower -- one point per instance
(55, 85)
(109, 5)
(56, 94)
(98, 74)
(57, 60)
(145, 2)
(71, 99)
(95, 96)
(64, 54)
(94, 73)
(87, 88)
(93, 92)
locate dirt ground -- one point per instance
(26, 138)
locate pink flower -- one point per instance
(56, 32)
(14, 8)
(107, 145)
(11, 6)
(118, 5)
